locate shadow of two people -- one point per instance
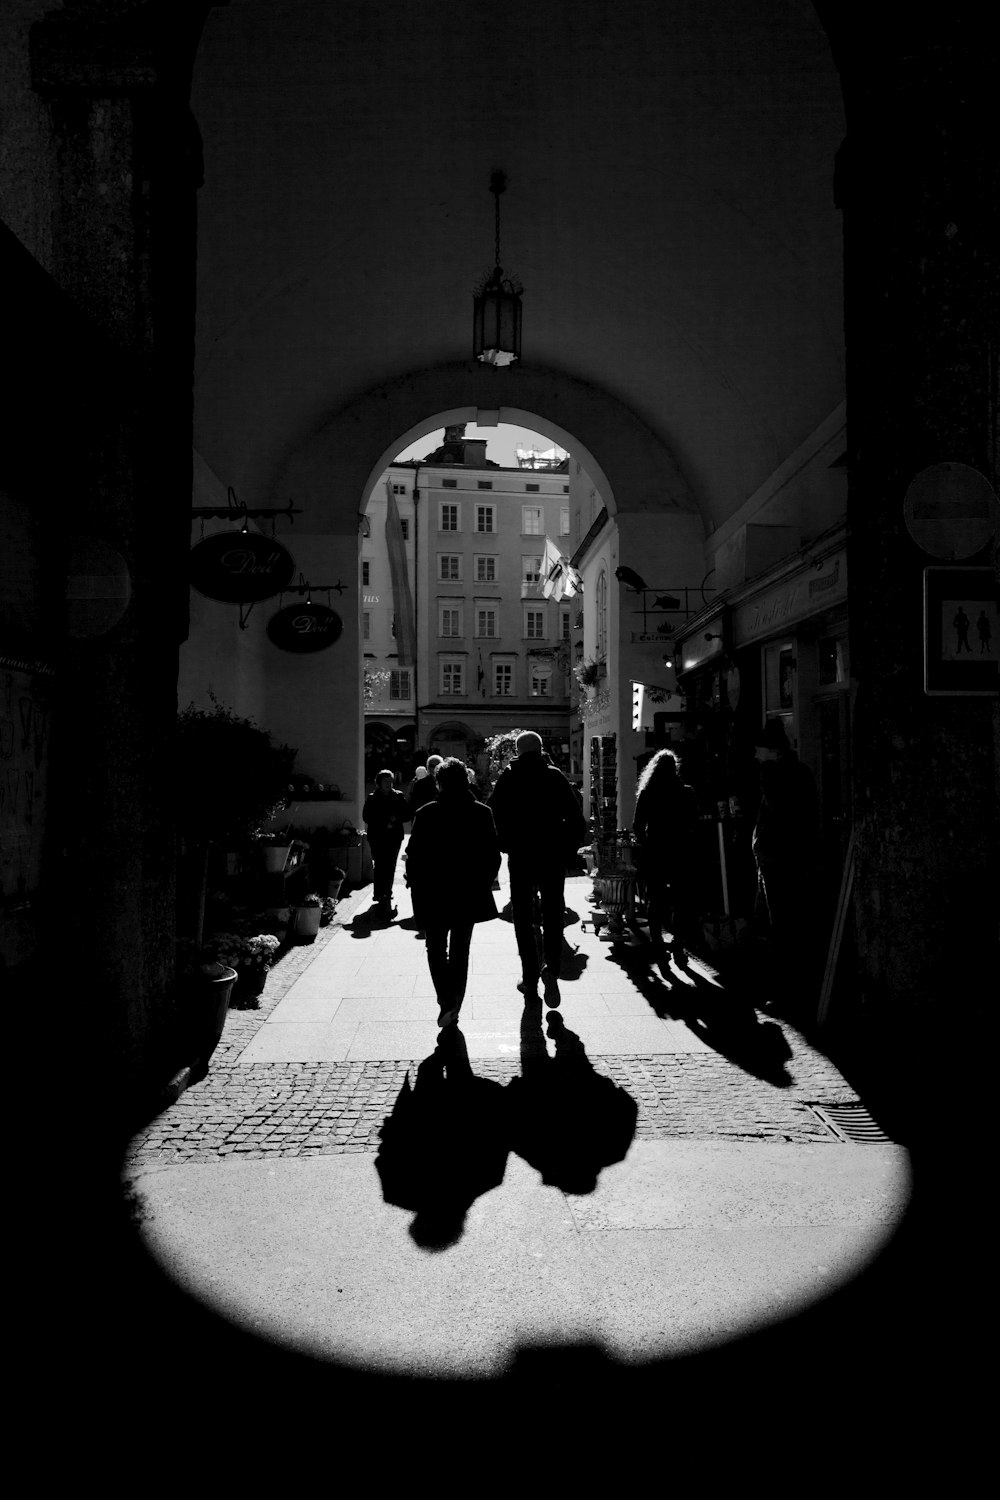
(449, 1135)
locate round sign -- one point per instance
(240, 567)
(304, 627)
(950, 511)
(98, 587)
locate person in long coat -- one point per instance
(384, 814)
(665, 825)
(451, 863)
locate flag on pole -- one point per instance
(402, 599)
(553, 571)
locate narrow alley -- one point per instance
(646, 1166)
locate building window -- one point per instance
(449, 620)
(486, 622)
(564, 520)
(404, 526)
(534, 624)
(366, 626)
(541, 682)
(565, 489)
(531, 568)
(486, 517)
(532, 489)
(486, 569)
(399, 489)
(484, 484)
(503, 679)
(601, 616)
(447, 516)
(399, 684)
(449, 567)
(366, 574)
(564, 624)
(449, 484)
(452, 674)
(531, 520)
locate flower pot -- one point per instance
(250, 981)
(275, 858)
(307, 921)
(208, 1006)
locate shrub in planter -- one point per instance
(251, 957)
(307, 916)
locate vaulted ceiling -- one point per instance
(670, 213)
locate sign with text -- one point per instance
(304, 627)
(240, 567)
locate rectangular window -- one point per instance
(534, 624)
(366, 574)
(486, 622)
(452, 678)
(399, 489)
(486, 517)
(366, 626)
(447, 516)
(484, 484)
(540, 684)
(531, 567)
(564, 624)
(449, 620)
(399, 684)
(486, 569)
(449, 484)
(564, 520)
(404, 526)
(532, 489)
(503, 679)
(531, 520)
(449, 567)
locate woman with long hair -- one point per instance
(665, 825)
(451, 864)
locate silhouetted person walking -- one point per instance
(424, 787)
(384, 813)
(451, 863)
(666, 826)
(540, 827)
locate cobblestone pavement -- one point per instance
(256, 1109)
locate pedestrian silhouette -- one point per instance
(961, 623)
(444, 1144)
(985, 632)
(566, 1120)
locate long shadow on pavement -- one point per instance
(566, 1120)
(713, 1009)
(444, 1144)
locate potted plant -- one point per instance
(276, 847)
(206, 985)
(230, 778)
(327, 910)
(335, 879)
(250, 957)
(307, 916)
(588, 675)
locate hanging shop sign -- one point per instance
(240, 567)
(808, 593)
(304, 627)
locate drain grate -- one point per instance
(850, 1122)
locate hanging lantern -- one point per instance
(496, 304)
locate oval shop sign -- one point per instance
(240, 567)
(304, 627)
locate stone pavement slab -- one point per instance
(682, 1245)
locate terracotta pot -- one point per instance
(307, 921)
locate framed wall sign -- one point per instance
(961, 635)
(304, 627)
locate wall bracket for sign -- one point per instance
(235, 510)
(304, 587)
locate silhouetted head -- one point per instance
(384, 781)
(452, 776)
(433, 761)
(664, 766)
(528, 743)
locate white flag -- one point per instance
(553, 571)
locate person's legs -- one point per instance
(460, 940)
(552, 891)
(522, 902)
(437, 961)
(384, 868)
